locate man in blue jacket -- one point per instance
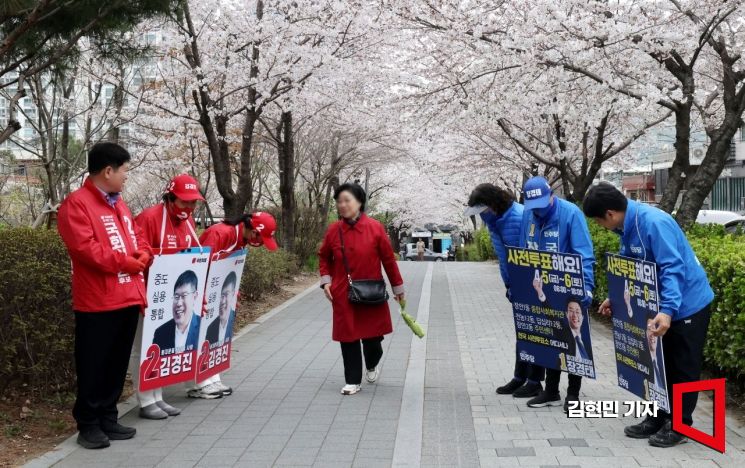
(685, 296)
(503, 217)
(555, 225)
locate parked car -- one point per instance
(429, 255)
(729, 219)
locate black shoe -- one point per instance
(666, 437)
(93, 438)
(510, 387)
(116, 431)
(529, 390)
(545, 399)
(644, 429)
(569, 399)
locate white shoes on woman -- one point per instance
(371, 375)
(350, 389)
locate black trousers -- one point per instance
(525, 370)
(103, 343)
(683, 346)
(553, 377)
(372, 348)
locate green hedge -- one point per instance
(35, 305)
(36, 339)
(469, 253)
(265, 270)
(484, 245)
(724, 261)
(603, 241)
(723, 258)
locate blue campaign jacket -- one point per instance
(566, 232)
(653, 235)
(504, 231)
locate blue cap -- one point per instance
(537, 193)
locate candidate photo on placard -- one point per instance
(652, 357)
(181, 333)
(221, 330)
(577, 331)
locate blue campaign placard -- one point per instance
(551, 322)
(634, 298)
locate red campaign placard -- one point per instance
(170, 332)
(218, 314)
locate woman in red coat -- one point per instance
(366, 247)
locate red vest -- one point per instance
(99, 238)
(166, 231)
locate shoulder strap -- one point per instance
(344, 255)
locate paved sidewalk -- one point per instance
(286, 409)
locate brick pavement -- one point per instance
(287, 411)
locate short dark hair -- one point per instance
(103, 155)
(231, 279)
(601, 198)
(574, 299)
(355, 190)
(187, 278)
(169, 197)
(498, 199)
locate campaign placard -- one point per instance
(551, 322)
(634, 298)
(170, 332)
(216, 328)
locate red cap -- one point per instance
(266, 225)
(185, 187)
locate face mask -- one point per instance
(181, 213)
(254, 243)
(542, 213)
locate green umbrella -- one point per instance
(410, 321)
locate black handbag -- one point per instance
(366, 291)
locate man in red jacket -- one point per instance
(108, 254)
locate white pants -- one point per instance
(147, 397)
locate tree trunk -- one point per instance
(244, 196)
(286, 154)
(720, 138)
(333, 180)
(681, 165)
(706, 176)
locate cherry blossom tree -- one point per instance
(683, 55)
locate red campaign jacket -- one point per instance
(223, 237)
(367, 247)
(178, 234)
(99, 238)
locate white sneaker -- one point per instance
(350, 389)
(223, 388)
(372, 375)
(208, 392)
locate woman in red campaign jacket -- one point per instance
(109, 254)
(366, 248)
(167, 225)
(254, 229)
